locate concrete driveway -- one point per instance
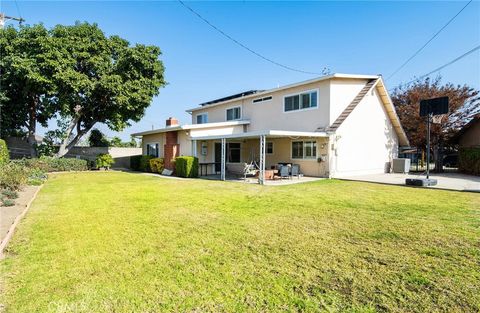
(450, 181)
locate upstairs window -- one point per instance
(202, 118)
(302, 101)
(234, 114)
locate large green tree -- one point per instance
(102, 79)
(78, 74)
(26, 80)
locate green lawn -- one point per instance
(120, 242)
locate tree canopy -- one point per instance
(26, 79)
(78, 74)
(464, 101)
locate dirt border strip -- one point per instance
(15, 223)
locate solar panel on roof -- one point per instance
(238, 95)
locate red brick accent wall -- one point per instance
(170, 153)
(171, 149)
(171, 138)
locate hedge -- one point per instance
(157, 165)
(51, 164)
(141, 163)
(186, 166)
(469, 160)
(4, 156)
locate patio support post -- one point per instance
(261, 174)
(222, 171)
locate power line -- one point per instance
(433, 37)
(244, 46)
(18, 11)
(441, 67)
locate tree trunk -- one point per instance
(66, 143)
(32, 126)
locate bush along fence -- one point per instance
(469, 160)
(104, 161)
(184, 166)
(17, 173)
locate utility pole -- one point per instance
(4, 18)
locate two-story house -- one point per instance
(331, 126)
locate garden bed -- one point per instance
(9, 215)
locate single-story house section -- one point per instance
(332, 126)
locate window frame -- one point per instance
(273, 148)
(227, 149)
(233, 108)
(205, 114)
(304, 157)
(157, 148)
(299, 94)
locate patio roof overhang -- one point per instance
(267, 133)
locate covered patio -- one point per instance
(260, 155)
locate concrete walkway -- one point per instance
(450, 181)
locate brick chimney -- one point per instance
(171, 121)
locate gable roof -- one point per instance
(475, 119)
(265, 92)
(388, 105)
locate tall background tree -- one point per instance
(102, 80)
(76, 74)
(464, 102)
(26, 80)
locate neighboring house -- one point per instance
(469, 135)
(332, 126)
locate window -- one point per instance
(269, 147)
(262, 99)
(233, 152)
(301, 101)
(202, 118)
(152, 149)
(234, 114)
(304, 149)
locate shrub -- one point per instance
(36, 177)
(186, 166)
(469, 160)
(13, 176)
(9, 194)
(104, 160)
(51, 164)
(145, 163)
(135, 162)
(4, 156)
(7, 202)
(157, 165)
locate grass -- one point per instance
(119, 242)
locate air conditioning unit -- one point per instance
(401, 165)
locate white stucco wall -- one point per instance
(269, 114)
(366, 141)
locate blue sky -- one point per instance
(347, 37)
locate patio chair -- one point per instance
(296, 170)
(284, 171)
